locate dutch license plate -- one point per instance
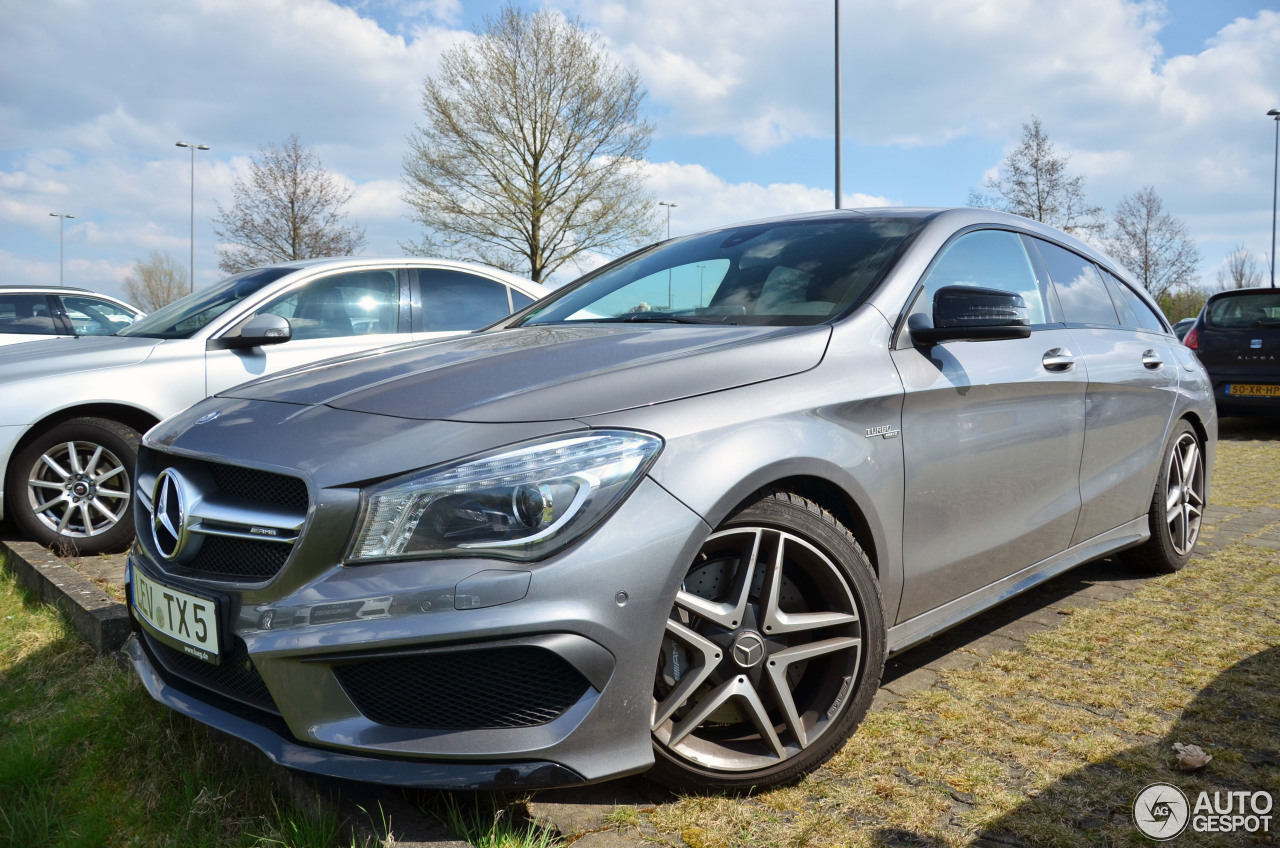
(189, 621)
(1253, 389)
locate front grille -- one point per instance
(235, 677)
(226, 557)
(250, 546)
(249, 485)
(508, 687)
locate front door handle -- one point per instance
(1058, 359)
(1152, 360)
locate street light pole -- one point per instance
(1275, 175)
(61, 220)
(839, 179)
(669, 206)
(194, 148)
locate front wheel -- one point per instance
(773, 650)
(1177, 505)
(70, 488)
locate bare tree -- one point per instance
(1241, 270)
(530, 152)
(157, 282)
(1033, 183)
(1151, 243)
(288, 208)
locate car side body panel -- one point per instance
(1133, 378)
(987, 430)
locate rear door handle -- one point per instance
(1151, 360)
(1058, 359)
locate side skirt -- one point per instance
(927, 625)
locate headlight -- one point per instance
(522, 503)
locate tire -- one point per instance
(71, 489)
(769, 662)
(1177, 505)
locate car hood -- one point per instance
(70, 354)
(546, 373)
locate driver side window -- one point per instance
(354, 303)
(986, 259)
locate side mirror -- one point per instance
(965, 313)
(253, 331)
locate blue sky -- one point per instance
(93, 96)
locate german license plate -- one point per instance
(1253, 389)
(190, 622)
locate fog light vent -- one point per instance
(507, 687)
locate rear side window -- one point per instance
(1261, 309)
(988, 259)
(519, 300)
(454, 300)
(1135, 310)
(1081, 292)
(26, 314)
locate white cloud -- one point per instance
(377, 200)
(704, 200)
(95, 95)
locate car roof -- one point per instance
(1243, 292)
(46, 289)
(955, 217)
(22, 289)
(507, 277)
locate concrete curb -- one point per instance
(100, 620)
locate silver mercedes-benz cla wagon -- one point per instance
(672, 517)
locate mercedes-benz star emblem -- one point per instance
(748, 649)
(169, 514)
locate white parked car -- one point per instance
(32, 313)
(72, 408)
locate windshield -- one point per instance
(786, 273)
(182, 318)
(1261, 309)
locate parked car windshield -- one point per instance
(182, 318)
(786, 273)
(1256, 309)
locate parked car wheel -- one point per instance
(1177, 506)
(71, 487)
(773, 650)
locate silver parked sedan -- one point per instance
(671, 518)
(72, 408)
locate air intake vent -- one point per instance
(234, 678)
(508, 687)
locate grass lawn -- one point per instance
(88, 759)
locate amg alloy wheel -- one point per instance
(1177, 506)
(773, 650)
(71, 487)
